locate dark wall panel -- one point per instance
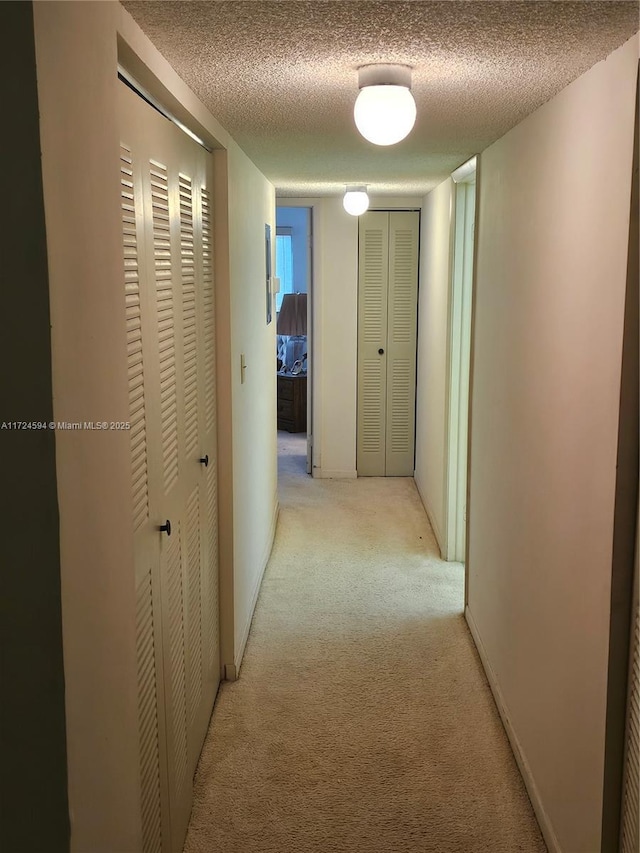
(33, 793)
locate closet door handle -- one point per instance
(380, 351)
(205, 460)
(166, 527)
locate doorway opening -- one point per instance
(294, 362)
(460, 361)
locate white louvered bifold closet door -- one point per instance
(387, 328)
(167, 225)
(373, 288)
(153, 780)
(210, 606)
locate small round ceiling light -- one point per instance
(385, 110)
(356, 200)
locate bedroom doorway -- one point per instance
(460, 361)
(294, 360)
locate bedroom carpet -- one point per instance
(362, 721)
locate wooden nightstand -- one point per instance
(292, 402)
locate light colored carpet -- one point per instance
(362, 721)
(292, 455)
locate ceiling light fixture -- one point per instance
(385, 110)
(356, 200)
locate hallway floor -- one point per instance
(362, 721)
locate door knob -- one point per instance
(205, 460)
(380, 351)
(166, 527)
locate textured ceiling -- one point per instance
(281, 77)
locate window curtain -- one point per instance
(284, 264)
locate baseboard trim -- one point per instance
(334, 474)
(230, 672)
(254, 596)
(431, 517)
(544, 822)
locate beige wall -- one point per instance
(255, 499)
(77, 54)
(335, 294)
(433, 332)
(551, 271)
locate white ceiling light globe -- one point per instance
(384, 114)
(355, 202)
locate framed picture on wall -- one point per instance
(267, 248)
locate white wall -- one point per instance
(553, 222)
(255, 499)
(77, 54)
(335, 324)
(432, 368)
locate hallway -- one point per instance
(362, 720)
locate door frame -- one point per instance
(459, 336)
(312, 354)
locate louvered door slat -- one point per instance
(137, 412)
(208, 494)
(373, 283)
(630, 835)
(208, 311)
(148, 716)
(210, 594)
(371, 407)
(401, 343)
(165, 319)
(401, 410)
(374, 308)
(403, 256)
(189, 329)
(177, 706)
(194, 593)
